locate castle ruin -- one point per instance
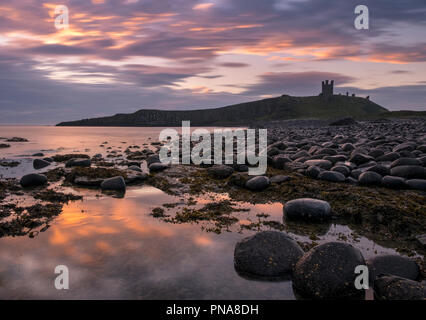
(327, 89)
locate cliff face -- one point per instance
(280, 108)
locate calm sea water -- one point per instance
(115, 249)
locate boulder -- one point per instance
(393, 265)
(327, 272)
(152, 159)
(220, 171)
(267, 254)
(406, 162)
(417, 184)
(331, 176)
(409, 172)
(313, 172)
(279, 161)
(323, 164)
(40, 164)
(157, 166)
(390, 287)
(380, 169)
(391, 156)
(307, 209)
(279, 179)
(115, 183)
(369, 178)
(258, 183)
(359, 158)
(78, 162)
(33, 179)
(393, 182)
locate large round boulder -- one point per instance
(323, 164)
(409, 172)
(393, 265)
(417, 184)
(390, 287)
(369, 178)
(267, 254)
(313, 172)
(307, 209)
(327, 272)
(332, 176)
(33, 180)
(359, 158)
(393, 182)
(406, 162)
(280, 161)
(258, 183)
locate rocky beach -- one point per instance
(368, 177)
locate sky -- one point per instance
(119, 56)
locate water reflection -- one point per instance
(115, 249)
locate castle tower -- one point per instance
(327, 89)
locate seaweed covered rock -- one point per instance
(390, 287)
(393, 265)
(220, 171)
(327, 272)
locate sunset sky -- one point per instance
(119, 56)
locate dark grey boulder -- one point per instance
(393, 265)
(152, 159)
(327, 272)
(135, 168)
(115, 183)
(406, 162)
(409, 172)
(258, 183)
(392, 182)
(280, 161)
(331, 176)
(38, 154)
(323, 164)
(220, 171)
(380, 169)
(359, 158)
(375, 153)
(307, 209)
(157, 166)
(341, 169)
(369, 178)
(78, 162)
(40, 164)
(33, 179)
(391, 156)
(390, 287)
(348, 147)
(406, 146)
(417, 184)
(267, 254)
(279, 179)
(313, 172)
